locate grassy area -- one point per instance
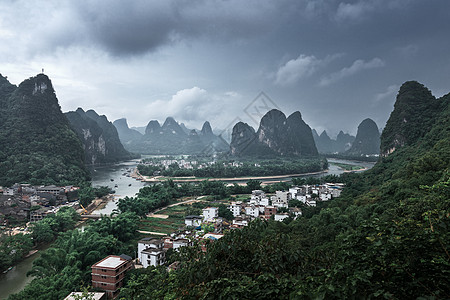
(347, 167)
(176, 215)
(168, 225)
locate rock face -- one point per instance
(173, 138)
(99, 137)
(276, 136)
(37, 144)
(367, 141)
(413, 116)
(126, 134)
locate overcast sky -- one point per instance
(337, 62)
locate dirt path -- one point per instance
(152, 232)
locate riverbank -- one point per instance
(225, 179)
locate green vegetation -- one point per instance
(223, 169)
(102, 145)
(387, 236)
(66, 266)
(347, 167)
(37, 145)
(14, 248)
(87, 193)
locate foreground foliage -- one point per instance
(387, 236)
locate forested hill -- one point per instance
(36, 142)
(99, 137)
(386, 237)
(276, 136)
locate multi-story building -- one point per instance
(252, 210)
(193, 221)
(210, 214)
(108, 274)
(151, 252)
(235, 208)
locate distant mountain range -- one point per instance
(366, 142)
(326, 145)
(170, 138)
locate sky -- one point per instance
(223, 61)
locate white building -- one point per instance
(240, 222)
(325, 196)
(252, 211)
(297, 212)
(281, 199)
(281, 217)
(235, 208)
(210, 214)
(177, 243)
(193, 221)
(153, 257)
(151, 252)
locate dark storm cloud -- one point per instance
(336, 61)
(136, 27)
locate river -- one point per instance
(15, 280)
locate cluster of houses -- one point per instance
(190, 164)
(182, 163)
(108, 273)
(151, 252)
(18, 200)
(276, 206)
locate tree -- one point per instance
(253, 184)
(224, 212)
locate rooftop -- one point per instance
(95, 296)
(111, 261)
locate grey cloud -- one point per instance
(128, 28)
(357, 66)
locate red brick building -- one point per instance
(269, 211)
(108, 274)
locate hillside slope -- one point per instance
(37, 144)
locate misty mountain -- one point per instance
(276, 136)
(171, 138)
(99, 137)
(327, 145)
(140, 129)
(367, 140)
(126, 134)
(37, 144)
(343, 142)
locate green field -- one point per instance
(347, 167)
(176, 215)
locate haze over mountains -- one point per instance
(39, 141)
(170, 138)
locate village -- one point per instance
(33, 203)
(108, 274)
(25, 202)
